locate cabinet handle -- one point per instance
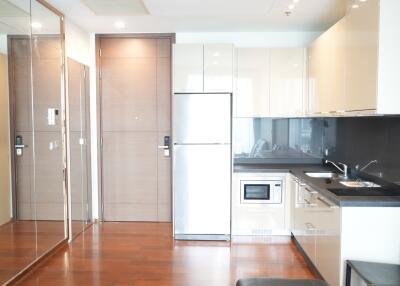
(310, 226)
(311, 192)
(327, 203)
(309, 203)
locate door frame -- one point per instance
(99, 108)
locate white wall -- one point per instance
(251, 39)
(3, 44)
(94, 126)
(77, 43)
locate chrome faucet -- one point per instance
(366, 165)
(344, 170)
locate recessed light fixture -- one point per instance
(119, 25)
(355, 6)
(291, 6)
(296, 1)
(36, 25)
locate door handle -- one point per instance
(163, 147)
(20, 146)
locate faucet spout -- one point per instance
(366, 165)
(344, 170)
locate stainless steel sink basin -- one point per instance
(359, 184)
(322, 175)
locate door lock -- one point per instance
(19, 145)
(166, 146)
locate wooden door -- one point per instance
(135, 90)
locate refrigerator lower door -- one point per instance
(202, 118)
(202, 188)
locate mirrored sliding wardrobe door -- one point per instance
(79, 142)
(48, 128)
(32, 145)
(17, 208)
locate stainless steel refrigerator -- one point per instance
(202, 166)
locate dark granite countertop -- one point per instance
(379, 274)
(322, 185)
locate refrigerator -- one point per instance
(202, 164)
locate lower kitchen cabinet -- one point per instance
(327, 243)
(317, 230)
(330, 235)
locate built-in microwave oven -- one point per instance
(261, 192)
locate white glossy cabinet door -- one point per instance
(252, 82)
(320, 74)
(337, 86)
(362, 56)
(218, 68)
(287, 81)
(188, 68)
(328, 240)
(304, 225)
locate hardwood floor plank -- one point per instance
(142, 254)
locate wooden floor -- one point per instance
(143, 254)
(21, 242)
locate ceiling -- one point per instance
(17, 17)
(209, 16)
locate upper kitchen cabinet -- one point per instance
(326, 72)
(270, 82)
(203, 68)
(251, 98)
(361, 56)
(218, 68)
(188, 68)
(354, 66)
(287, 82)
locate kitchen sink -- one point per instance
(359, 184)
(323, 175)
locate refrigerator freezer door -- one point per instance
(202, 118)
(202, 191)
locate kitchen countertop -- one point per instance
(322, 185)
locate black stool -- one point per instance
(279, 282)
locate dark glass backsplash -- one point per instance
(355, 140)
(362, 139)
(276, 140)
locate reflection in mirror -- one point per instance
(269, 140)
(79, 140)
(32, 205)
(47, 94)
(17, 224)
